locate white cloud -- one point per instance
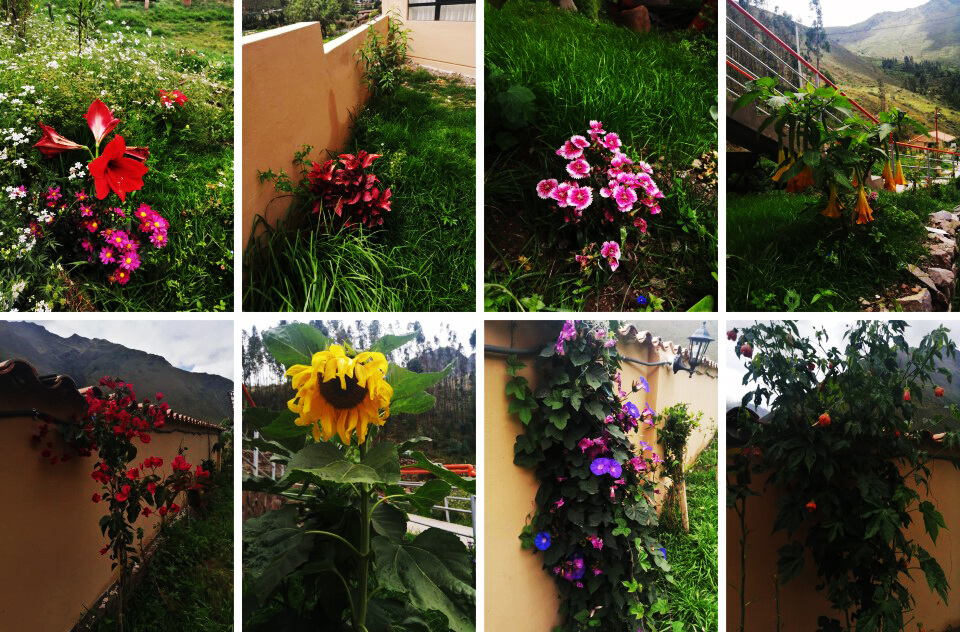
(196, 346)
(841, 12)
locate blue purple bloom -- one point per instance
(603, 466)
(542, 541)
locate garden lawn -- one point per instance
(782, 255)
(130, 57)
(694, 556)
(655, 91)
(188, 582)
(422, 258)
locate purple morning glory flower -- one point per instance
(643, 383)
(603, 466)
(631, 409)
(664, 551)
(542, 541)
(615, 469)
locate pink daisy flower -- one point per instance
(545, 188)
(130, 261)
(144, 213)
(578, 168)
(106, 256)
(569, 151)
(610, 250)
(158, 239)
(85, 211)
(86, 244)
(121, 276)
(580, 197)
(119, 239)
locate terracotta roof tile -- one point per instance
(661, 345)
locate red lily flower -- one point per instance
(52, 143)
(113, 170)
(100, 119)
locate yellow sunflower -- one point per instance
(339, 394)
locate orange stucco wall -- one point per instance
(296, 91)
(448, 46)
(518, 594)
(800, 603)
(49, 552)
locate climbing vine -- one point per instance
(847, 445)
(595, 519)
(674, 425)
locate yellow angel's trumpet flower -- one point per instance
(898, 178)
(863, 210)
(833, 205)
(780, 158)
(888, 182)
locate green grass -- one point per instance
(784, 256)
(188, 583)
(205, 26)
(423, 257)
(655, 91)
(694, 556)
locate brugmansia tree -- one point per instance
(338, 557)
(849, 449)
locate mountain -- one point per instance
(200, 395)
(929, 32)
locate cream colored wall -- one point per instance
(49, 549)
(800, 603)
(296, 91)
(448, 46)
(518, 594)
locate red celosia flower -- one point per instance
(114, 171)
(101, 121)
(97, 497)
(201, 473)
(52, 143)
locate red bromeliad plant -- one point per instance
(111, 426)
(342, 184)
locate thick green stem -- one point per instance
(365, 518)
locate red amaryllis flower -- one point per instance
(113, 170)
(52, 143)
(101, 121)
(140, 154)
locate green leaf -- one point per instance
(706, 304)
(294, 343)
(936, 578)
(467, 485)
(325, 460)
(273, 547)
(559, 418)
(408, 385)
(390, 342)
(434, 571)
(429, 494)
(790, 561)
(932, 520)
(389, 522)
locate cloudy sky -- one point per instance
(841, 12)
(197, 346)
(734, 368)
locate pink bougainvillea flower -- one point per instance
(147, 511)
(545, 188)
(610, 250)
(123, 494)
(569, 151)
(578, 168)
(101, 121)
(114, 171)
(51, 143)
(580, 197)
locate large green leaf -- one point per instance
(390, 522)
(273, 547)
(325, 460)
(257, 418)
(390, 342)
(434, 571)
(295, 343)
(469, 486)
(408, 385)
(429, 494)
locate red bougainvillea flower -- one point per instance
(96, 498)
(114, 171)
(811, 506)
(180, 464)
(938, 392)
(124, 493)
(824, 420)
(152, 488)
(101, 121)
(906, 394)
(146, 512)
(162, 511)
(52, 143)
(174, 507)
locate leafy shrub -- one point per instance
(384, 58)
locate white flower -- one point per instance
(53, 64)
